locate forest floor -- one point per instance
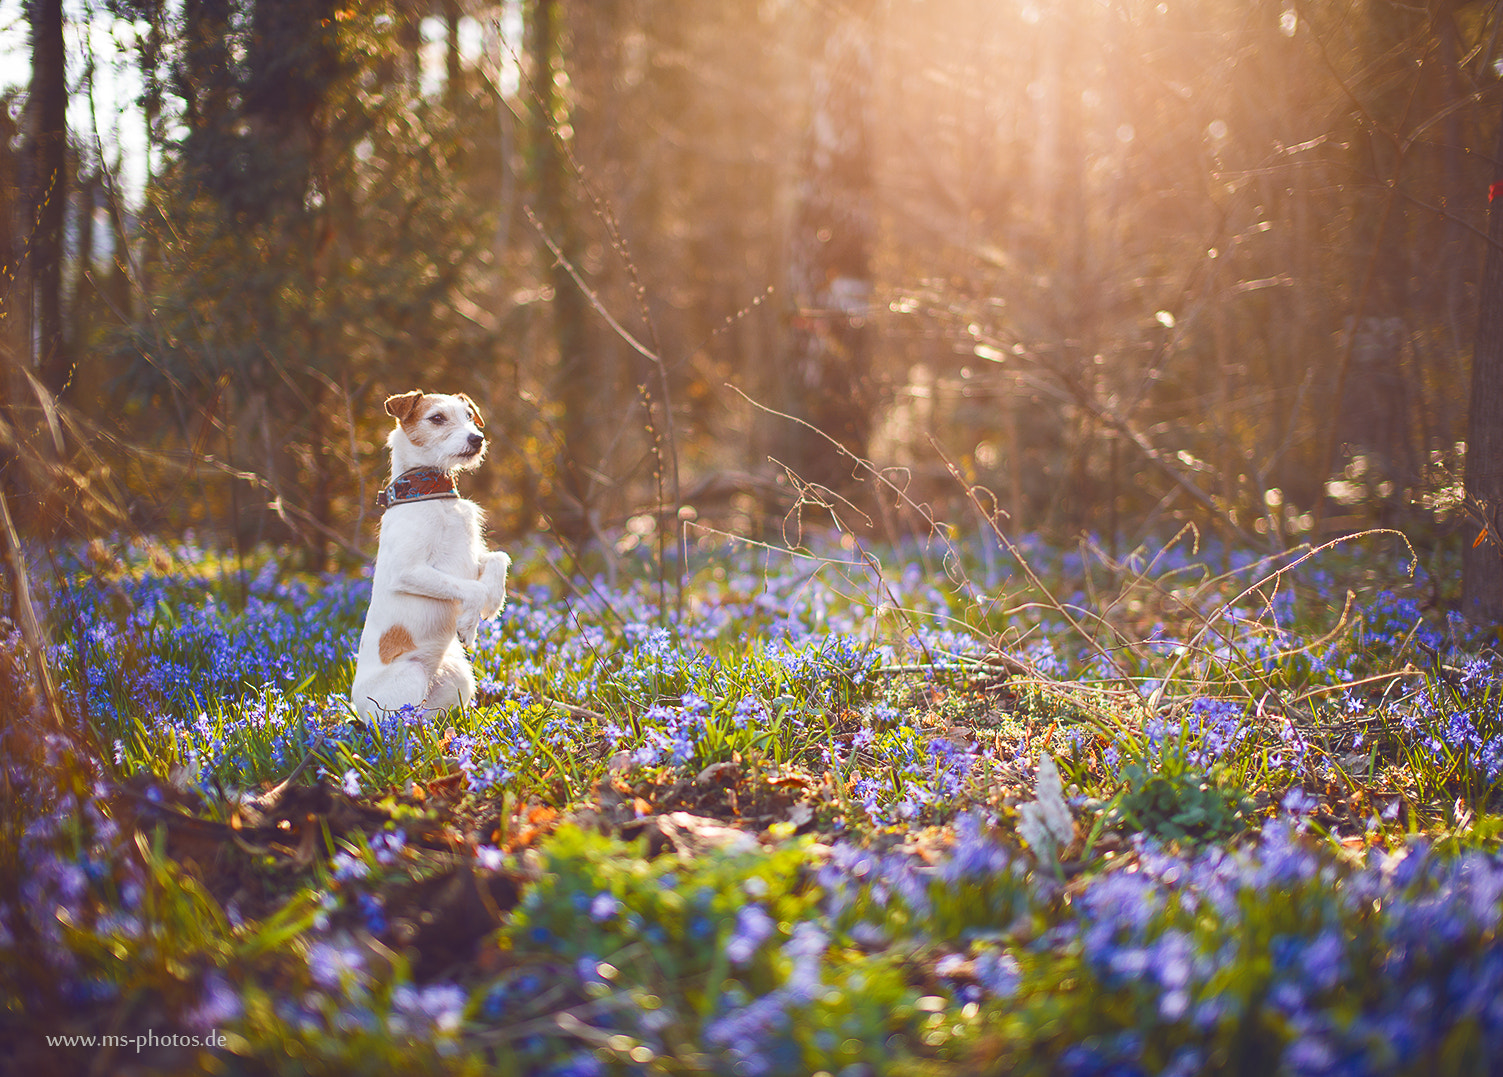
(958, 807)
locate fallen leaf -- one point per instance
(693, 835)
(448, 786)
(719, 772)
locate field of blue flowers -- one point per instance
(956, 807)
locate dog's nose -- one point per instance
(477, 440)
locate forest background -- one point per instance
(1123, 264)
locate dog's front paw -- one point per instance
(493, 579)
(471, 611)
(468, 627)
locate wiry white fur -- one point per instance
(434, 578)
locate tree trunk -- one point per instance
(453, 65)
(15, 327)
(830, 266)
(574, 382)
(49, 105)
(208, 69)
(1482, 562)
(83, 268)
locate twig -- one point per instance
(269, 800)
(1017, 554)
(26, 616)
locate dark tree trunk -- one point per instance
(49, 105)
(1452, 278)
(453, 68)
(83, 269)
(1482, 563)
(15, 327)
(208, 73)
(830, 270)
(574, 382)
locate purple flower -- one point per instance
(330, 966)
(753, 928)
(218, 1004)
(388, 845)
(997, 973)
(807, 950)
(375, 915)
(749, 710)
(1298, 803)
(438, 1006)
(347, 867)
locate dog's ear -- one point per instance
(401, 407)
(474, 411)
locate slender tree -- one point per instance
(14, 327)
(1482, 566)
(573, 382)
(49, 134)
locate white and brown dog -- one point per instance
(434, 578)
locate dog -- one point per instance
(434, 579)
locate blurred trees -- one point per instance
(309, 238)
(1125, 262)
(829, 368)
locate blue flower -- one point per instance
(753, 928)
(375, 916)
(333, 967)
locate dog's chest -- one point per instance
(444, 534)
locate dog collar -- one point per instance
(419, 484)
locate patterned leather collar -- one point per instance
(419, 484)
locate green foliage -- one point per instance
(1173, 801)
(680, 951)
(661, 920)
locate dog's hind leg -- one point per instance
(453, 683)
(396, 685)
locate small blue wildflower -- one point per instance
(753, 928)
(603, 907)
(375, 915)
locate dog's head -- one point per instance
(435, 430)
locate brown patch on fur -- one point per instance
(404, 406)
(417, 431)
(395, 642)
(474, 410)
(408, 410)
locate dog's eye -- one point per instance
(437, 420)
